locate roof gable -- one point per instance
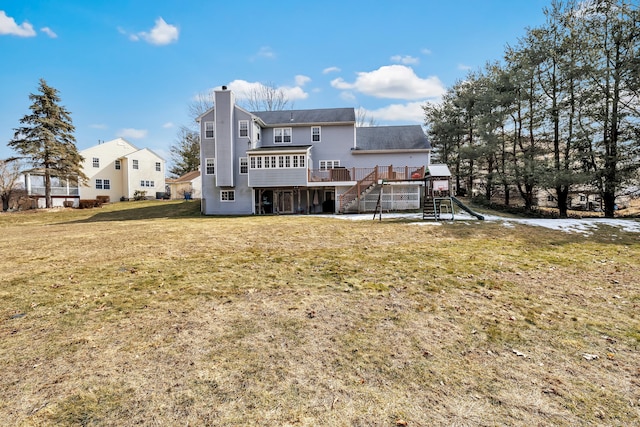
(119, 146)
(142, 151)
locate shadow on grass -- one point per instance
(131, 212)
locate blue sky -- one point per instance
(131, 68)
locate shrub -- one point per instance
(103, 199)
(139, 195)
(89, 203)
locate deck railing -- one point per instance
(343, 174)
(55, 191)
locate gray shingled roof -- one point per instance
(296, 117)
(391, 138)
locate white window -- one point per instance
(295, 161)
(209, 130)
(142, 183)
(228, 195)
(253, 162)
(135, 164)
(98, 184)
(329, 164)
(315, 133)
(267, 164)
(259, 162)
(243, 128)
(210, 166)
(158, 167)
(147, 184)
(281, 161)
(244, 166)
(282, 135)
(287, 161)
(273, 161)
(303, 161)
(96, 162)
(117, 164)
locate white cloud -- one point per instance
(331, 70)
(98, 126)
(410, 112)
(161, 34)
(393, 81)
(464, 67)
(302, 80)
(243, 88)
(9, 26)
(348, 96)
(407, 60)
(426, 51)
(49, 32)
(264, 52)
(132, 133)
(294, 93)
(168, 125)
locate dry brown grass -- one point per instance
(147, 313)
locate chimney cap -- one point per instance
(224, 88)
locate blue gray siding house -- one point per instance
(305, 161)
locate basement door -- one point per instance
(284, 202)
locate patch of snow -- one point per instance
(583, 226)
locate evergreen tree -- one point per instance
(611, 31)
(46, 139)
(186, 152)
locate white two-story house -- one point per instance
(118, 169)
(114, 168)
(306, 161)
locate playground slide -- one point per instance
(466, 209)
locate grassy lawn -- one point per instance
(146, 313)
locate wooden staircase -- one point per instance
(363, 187)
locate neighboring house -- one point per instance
(118, 169)
(188, 185)
(305, 161)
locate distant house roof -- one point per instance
(299, 117)
(409, 137)
(187, 177)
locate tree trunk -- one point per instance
(562, 194)
(47, 189)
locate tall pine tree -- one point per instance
(46, 139)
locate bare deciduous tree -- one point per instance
(202, 103)
(10, 172)
(265, 97)
(363, 119)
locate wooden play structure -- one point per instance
(437, 200)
